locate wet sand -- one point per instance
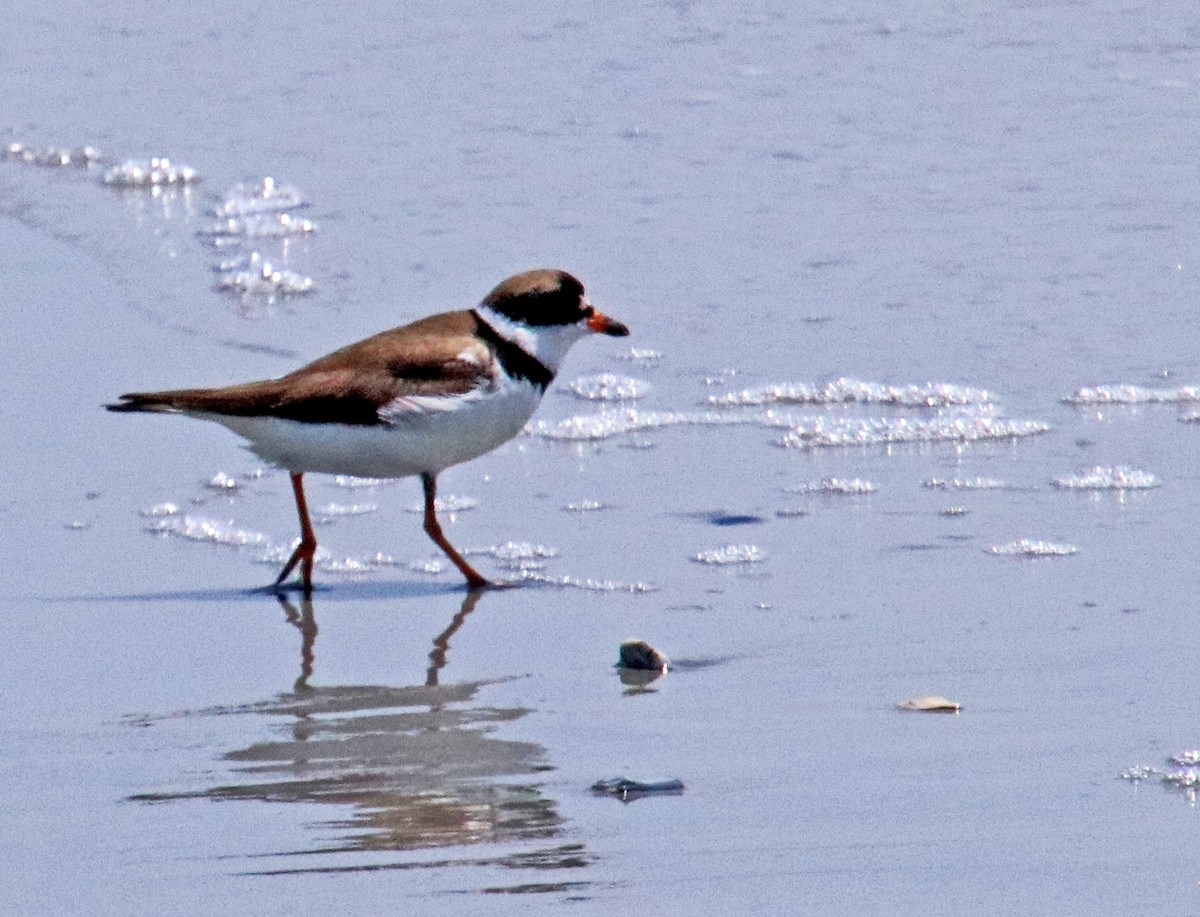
(907, 411)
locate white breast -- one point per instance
(422, 434)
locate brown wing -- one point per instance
(439, 355)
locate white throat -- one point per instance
(548, 343)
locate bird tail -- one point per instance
(152, 402)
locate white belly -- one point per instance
(424, 435)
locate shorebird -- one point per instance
(410, 401)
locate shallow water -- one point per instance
(912, 291)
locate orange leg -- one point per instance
(303, 555)
(434, 531)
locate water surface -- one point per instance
(972, 228)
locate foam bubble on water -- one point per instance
(348, 566)
(589, 585)
(843, 486)
(731, 554)
(264, 196)
(1139, 772)
(608, 387)
(1121, 477)
(584, 506)
(521, 555)
(215, 531)
(641, 355)
(379, 559)
(259, 226)
(450, 503)
(1133, 394)
(1028, 547)
(222, 481)
(82, 157)
(823, 432)
(346, 509)
(1187, 778)
(149, 173)
(977, 483)
(255, 276)
(351, 482)
(1183, 775)
(843, 391)
(595, 427)
(433, 566)
(325, 562)
(161, 509)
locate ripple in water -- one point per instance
(1121, 477)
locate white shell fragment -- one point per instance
(930, 703)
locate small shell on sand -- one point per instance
(636, 654)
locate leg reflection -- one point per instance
(441, 643)
(304, 619)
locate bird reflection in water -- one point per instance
(420, 766)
